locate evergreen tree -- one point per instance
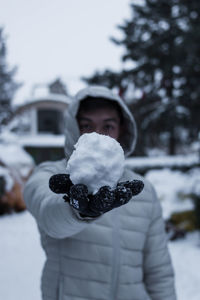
(8, 86)
(162, 40)
(58, 87)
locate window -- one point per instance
(50, 121)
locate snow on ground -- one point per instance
(169, 185)
(185, 256)
(163, 161)
(42, 140)
(22, 258)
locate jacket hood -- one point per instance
(72, 133)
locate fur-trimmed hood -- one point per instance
(72, 133)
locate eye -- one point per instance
(108, 127)
(85, 127)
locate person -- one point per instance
(121, 254)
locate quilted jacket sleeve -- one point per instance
(54, 216)
(158, 271)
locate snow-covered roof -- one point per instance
(42, 140)
(49, 97)
(43, 98)
(55, 101)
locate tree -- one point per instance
(162, 40)
(8, 86)
(58, 87)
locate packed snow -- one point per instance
(22, 257)
(97, 160)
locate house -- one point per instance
(39, 124)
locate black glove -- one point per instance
(106, 198)
(60, 183)
(94, 205)
(75, 194)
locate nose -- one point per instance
(99, 130)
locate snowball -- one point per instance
(97, 160)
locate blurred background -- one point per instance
(148, 52)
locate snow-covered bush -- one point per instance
(7, 179)
(179, 193)
(13, 156)
(168, 184)
(192, 190)
(2, 186)
(15, 167)
(6, 185)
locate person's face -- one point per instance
(102, 120)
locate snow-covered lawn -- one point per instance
(186, 260)
(169, 186)
(22, 258)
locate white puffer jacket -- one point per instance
(121, 255)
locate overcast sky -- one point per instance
(61, 38)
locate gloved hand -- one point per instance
(76, 195)
(94, 205)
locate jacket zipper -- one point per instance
(116, 254)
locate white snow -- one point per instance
(170, 185)
(42, 140)
(97, 160)
(7, 177)
(30, 140)
(13, 156)
(185, 256)
(22, 258)
(163, 161)
(41, 93)
(193, 182)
